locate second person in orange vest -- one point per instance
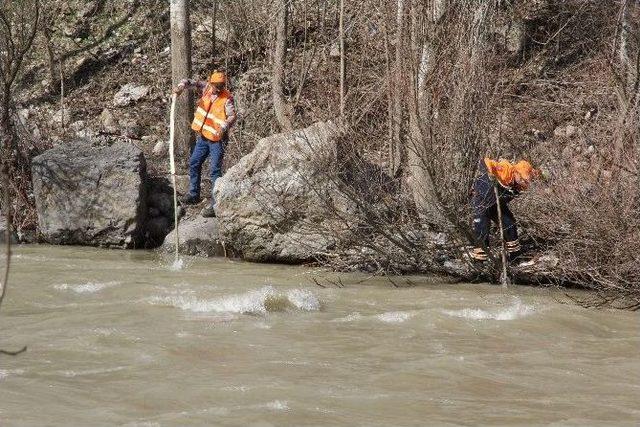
(213, 117)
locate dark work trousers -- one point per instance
(482, 224)
(201, 151)
(485, 210)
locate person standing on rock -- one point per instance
(214, 115)
(509, 180)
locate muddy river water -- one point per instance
(121, 338)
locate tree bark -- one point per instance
(422, 52)
(342, 64)
(280, 106)
(395, 145)
(181, 69)
(214, 25)
(5, 122)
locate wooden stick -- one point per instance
(504, 276)
(172, 166)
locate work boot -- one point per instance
(189, 199)
(208, 212)
(514, 251)
(478, 255)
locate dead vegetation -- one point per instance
(431, 87)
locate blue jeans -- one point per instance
(202, 149)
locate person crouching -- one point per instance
(510, 180)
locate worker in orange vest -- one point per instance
(510, 180)
(213, 117)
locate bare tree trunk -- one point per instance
(623, 53)
(390, 105)
(181, 69)
(422, 50)
(280, 106)
(395, 145)
(629, 81)
(214, 24)
(51, 58)
(342, 64)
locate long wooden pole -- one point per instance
(172, 170)
(504, 277)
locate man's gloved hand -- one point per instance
(179, 89)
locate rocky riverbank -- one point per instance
(279, 203)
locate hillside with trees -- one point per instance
(420, 90)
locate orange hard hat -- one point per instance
(505, 172)
(501, 169)
(525, 170)
(217, 77)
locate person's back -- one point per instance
(508, 181)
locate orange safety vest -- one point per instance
(210, 116)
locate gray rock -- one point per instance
(273, 204)
(86, 133)
(222, 30)
(590, 151)
(567, 131)
(457, 267)
(198, 236)
(131, 129)
(548, 261)
(78, 125)
(129, 94)
(89, 9)
(160, 149)
(91, 195)
(60, 116)
(24, 114)
(108, 121)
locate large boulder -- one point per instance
(91, 195)
(274, 204)
(197, 236)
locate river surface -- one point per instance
(122, 338)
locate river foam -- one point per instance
(177, 265)
(5, 373)
(394, 316)
(258, 301)
(515, 311)
(85, 288)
